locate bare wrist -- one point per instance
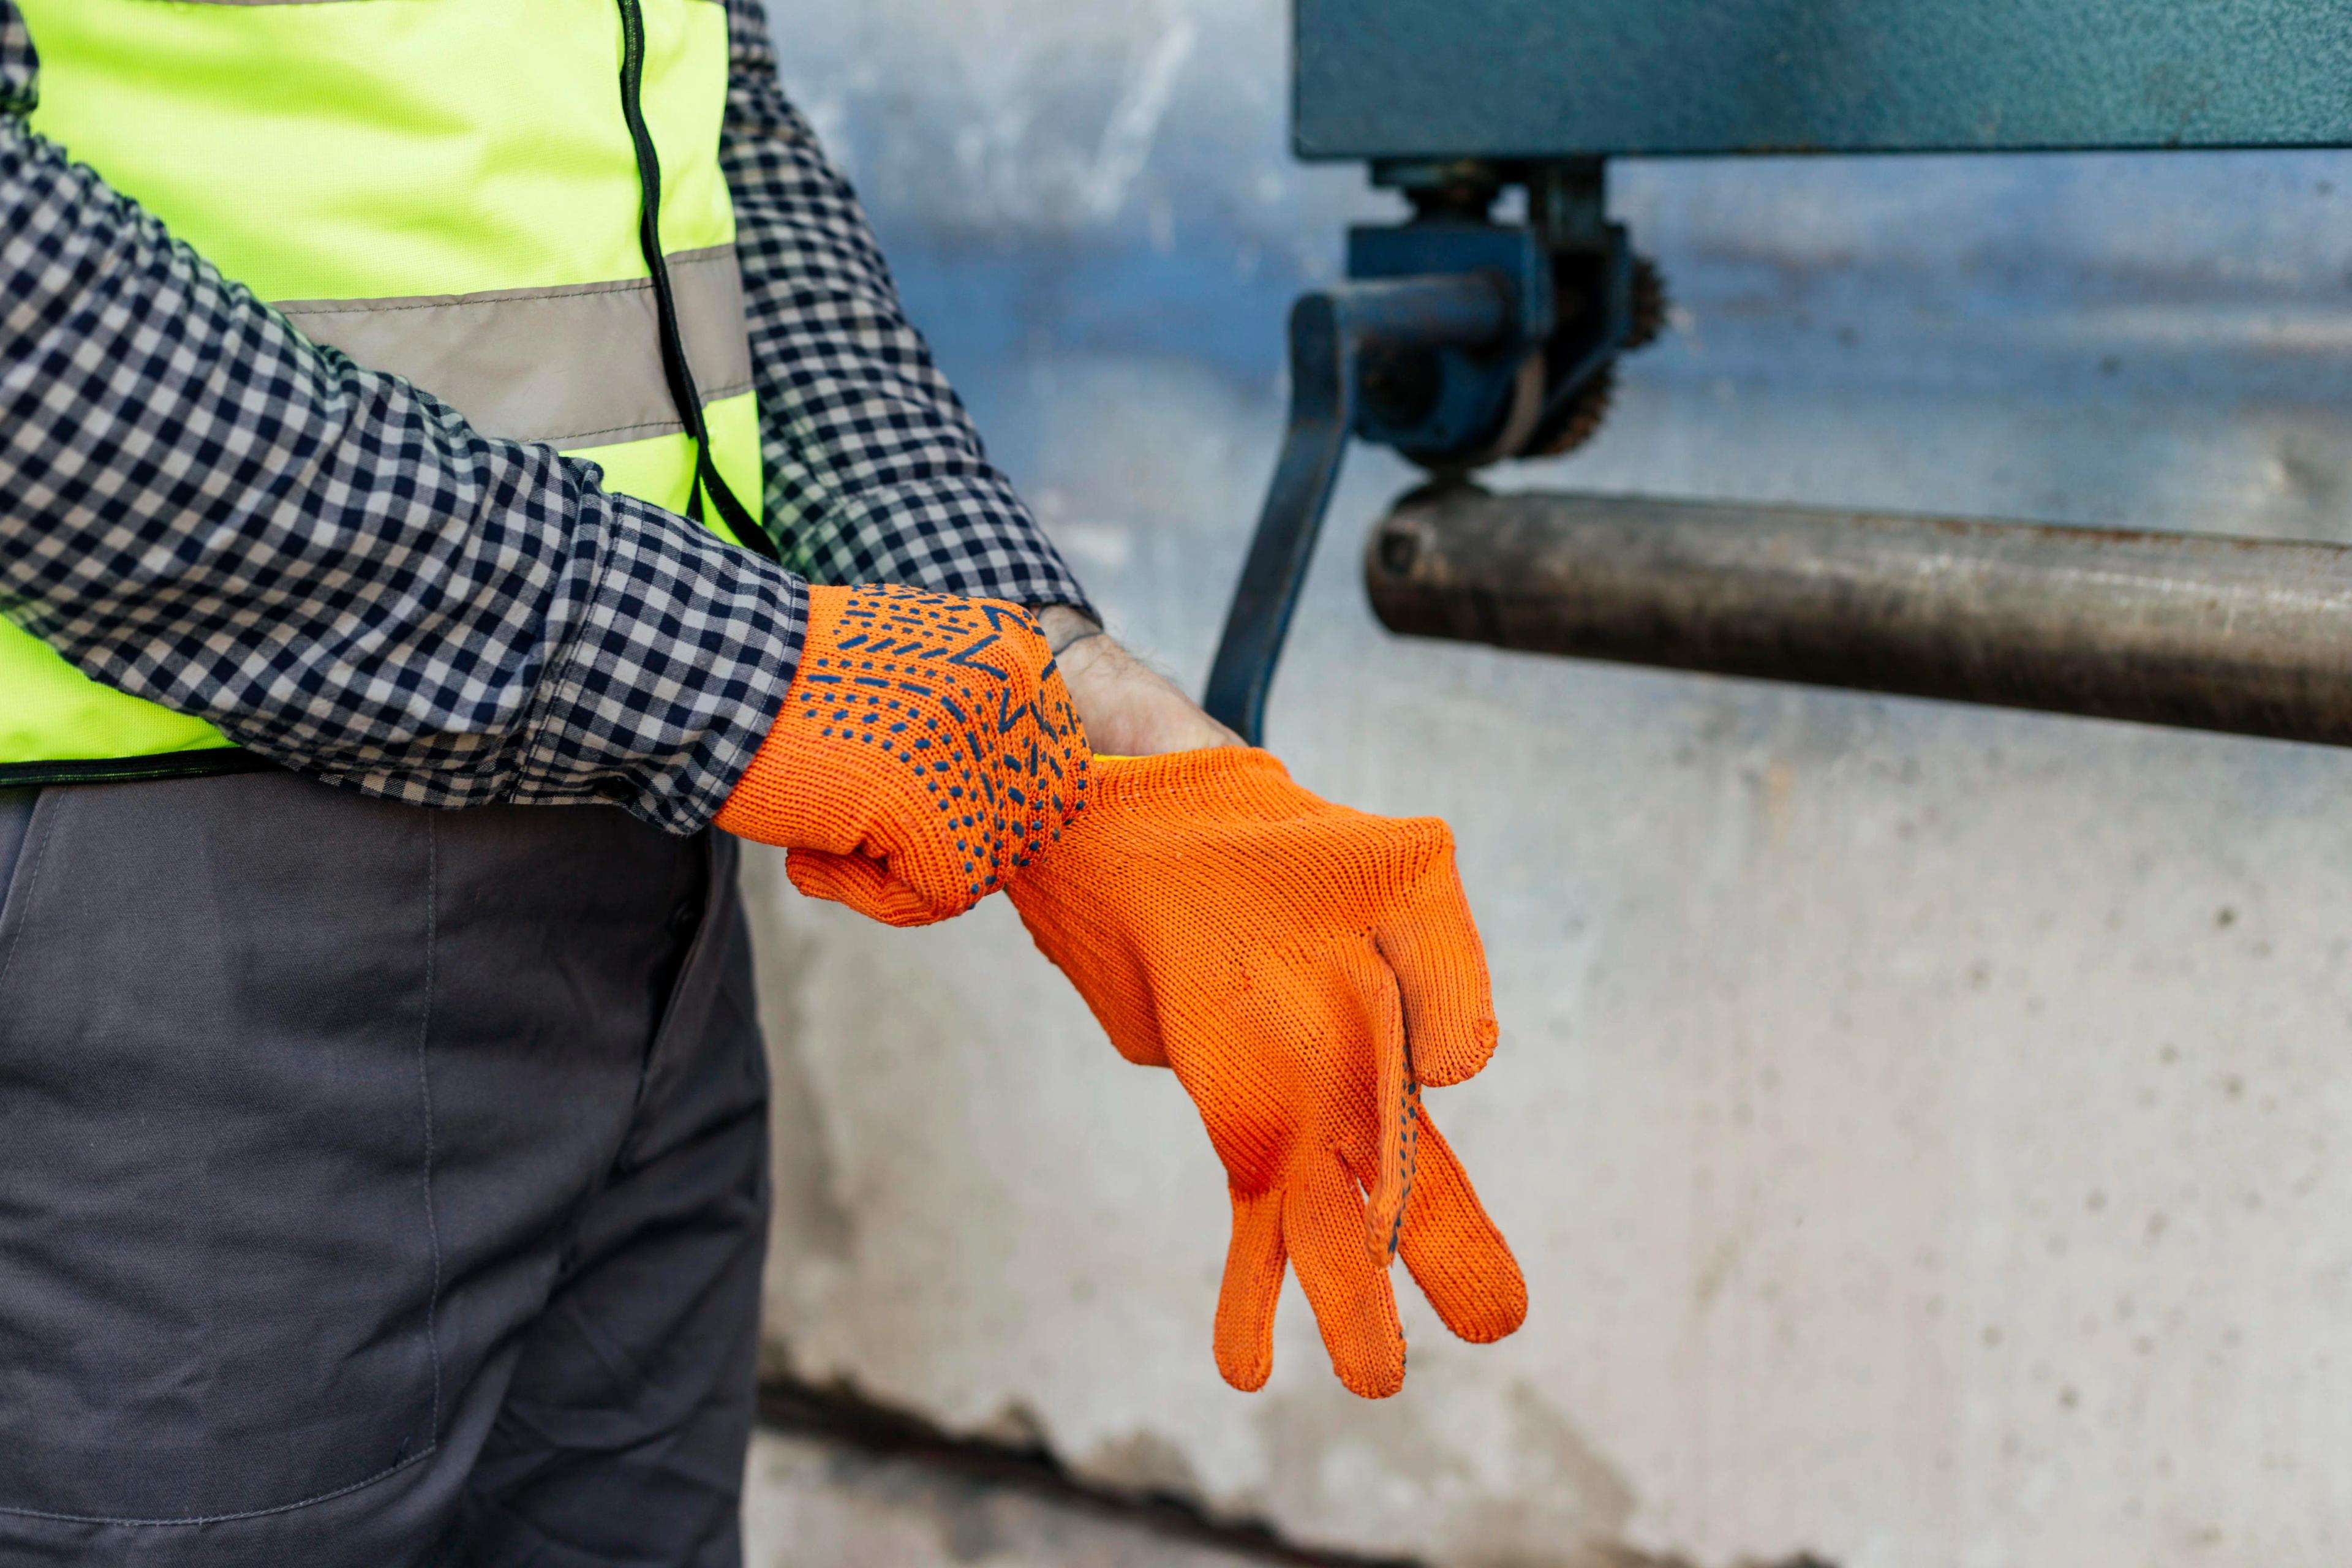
(1129, 707)
(1064, 626)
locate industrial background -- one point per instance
(1920, 1125)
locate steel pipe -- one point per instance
(2247, 635)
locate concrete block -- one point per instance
(808, 1504)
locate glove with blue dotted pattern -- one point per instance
(925, 750)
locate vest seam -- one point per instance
(387, 304)
(206, 762)
(734, 517)
(647, 429)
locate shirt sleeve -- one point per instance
(207, 511)
(18, 65)
(874, 472)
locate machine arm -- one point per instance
(1331, 334)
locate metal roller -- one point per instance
(2247, 635)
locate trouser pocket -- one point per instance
(219, 1265)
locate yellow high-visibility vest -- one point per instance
(449, 189)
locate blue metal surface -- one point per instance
(1445, 400)
(1549, 79)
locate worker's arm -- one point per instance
(874, 470)
(1304, 969)
(199, 507)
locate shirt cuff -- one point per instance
(673, 674)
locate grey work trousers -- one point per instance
(377, 1185)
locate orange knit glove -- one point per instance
(925, 749)
(1305, 969)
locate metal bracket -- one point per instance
(1452, 406)
(1330, 334)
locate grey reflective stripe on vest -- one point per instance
(573, 366)
(308, 1)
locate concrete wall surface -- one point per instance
(1924, 1129)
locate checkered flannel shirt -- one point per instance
(202, 508)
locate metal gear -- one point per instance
(1580, 421)
(1649, 305)
(1577, 422)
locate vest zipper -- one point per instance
(675, 369)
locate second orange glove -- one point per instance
(1304, 968)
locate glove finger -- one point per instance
(1433, 945)
(1458, 1256)
(1323, 1228)
(1253, 1285)
(865, 885)
(1396, 1109)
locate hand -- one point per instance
(926, 748)
(1129, 709)
(1304, 969)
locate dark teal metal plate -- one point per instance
(1554, 78)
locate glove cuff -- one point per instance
(928, 738)
(761, 805)
(1216, 776)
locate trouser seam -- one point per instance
(657, 1049)
(425, 1088)
(663, 1044)
(385, 1474)
(38, 851)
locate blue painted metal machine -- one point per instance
(1461, 341)
(1545, 80)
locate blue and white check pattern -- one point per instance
(204, 509)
